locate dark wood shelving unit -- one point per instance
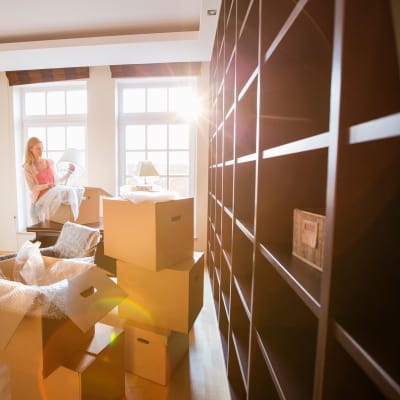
(305, 113)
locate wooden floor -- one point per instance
(201, 375)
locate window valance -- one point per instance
(150, 70)
(46, 75)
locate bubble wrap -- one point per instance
(48, 296)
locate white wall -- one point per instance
(8, 202)
(202, 164)
(101, 146)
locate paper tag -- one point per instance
(309, 233)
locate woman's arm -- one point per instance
(34, 186)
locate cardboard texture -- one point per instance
(153, 353)
(94, 373)
(150, 235)
(89, 210)
(169, 299)
(309, 237)
(35, 345)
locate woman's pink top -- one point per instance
(32, 176)
(45, 176)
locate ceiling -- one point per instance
(51, 34)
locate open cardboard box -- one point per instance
(89, 209)
(95, 372)
(33, 345)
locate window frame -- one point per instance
(153, 118)
(23, 122)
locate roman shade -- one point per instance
(46, 75)
(151, 70)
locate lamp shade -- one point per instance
(72, 156)
(146, 168)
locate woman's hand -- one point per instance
(71, 168)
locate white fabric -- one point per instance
(136, 196)
(49, 203)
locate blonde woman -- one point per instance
(40, 177)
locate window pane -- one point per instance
(181, 185)
(76, 102)
(55, 156)
(56, 138)
(135, 137)
(35, 103)
(55, 103)
(134, 100)
(76, 137)
(159, 159)
(157, 137)
(157, 99)
(178, 97)
(179, 163)
(179, 136)
(163, 182)
(131, 160)
(39, 132)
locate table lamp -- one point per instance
(146, 169)
(70, 156)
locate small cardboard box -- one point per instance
(95, 372)
(153, 353)
(151, 235)
(89, 210)
(309, 237)
(32, 344)
(170, 299)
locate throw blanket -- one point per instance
(49, 203)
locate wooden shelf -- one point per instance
(373, 360)
(304, 280)
(305, 114)
(377, 129)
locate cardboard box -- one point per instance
(89, 210)
(309, 237)
(153, 353)
(94, 373)
(34, 345)
(151, 235)
(169, 299)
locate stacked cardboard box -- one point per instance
(163, 277)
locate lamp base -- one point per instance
(144, 188)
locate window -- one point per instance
(157, 123)
(56, 113)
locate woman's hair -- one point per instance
(29, 159)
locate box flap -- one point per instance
(9, 323)
(91, 295)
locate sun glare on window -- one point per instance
(185, 101)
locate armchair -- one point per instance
(74, 241)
